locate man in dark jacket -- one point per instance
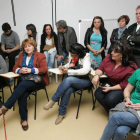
(66, 37)
(132, 35)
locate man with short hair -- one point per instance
(132, 35)
(10, 45)
(66, 37)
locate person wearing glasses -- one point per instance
(96, 41)
(66, 37)
(77, 70)
(118, 66)
(30, 62)
(117, 33)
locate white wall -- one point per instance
(39, 12)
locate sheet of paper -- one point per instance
(9, 75)
(93, 74)
(55, 70)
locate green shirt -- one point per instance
(134, 80)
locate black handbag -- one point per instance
(78, 66)
(32, 77)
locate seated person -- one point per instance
(3, 69)
(10, 45)
(118, 66)
(77, 69)
(29, 62)
(126, 117)
(49, 44)
(32, 34)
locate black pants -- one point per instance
(11, 57)
(110, 99)
(137, 58)
(22, 91)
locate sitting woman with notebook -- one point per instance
(77, 69)
(32, 67)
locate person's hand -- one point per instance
(135, 106)
(27, 70)
(59, 57)
(22, 70)
(94, 51)
(106, 89)
(98, 52)
(65, 71)
(61, 67)
(5, 51)
(8, 51)
(56, 55)
(128, 103)
(95, 80)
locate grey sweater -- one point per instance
(3, 66)
(121, 108)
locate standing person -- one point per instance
(132, 35)
(77, 69)
(66, 37)
(49, 44)
(117, 33)
(118, 66)
(126, 116)
(32, 34)
(30, 62)
(10, 45)
(96, 41)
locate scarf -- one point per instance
(30, 64)
(120, 31)
(73, 62)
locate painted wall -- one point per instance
(39, 12)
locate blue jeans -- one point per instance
(21, 93)
(67, 86)
(62, 60)
(50, 58)
(119, 125)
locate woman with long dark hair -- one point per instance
(49, 44)
(77, 69)
(96, 41)
(118, 66)
(32, 34)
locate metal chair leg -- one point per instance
(79, 104)
(35, 104)
(2, 95)
(46, 93)
(93, 100)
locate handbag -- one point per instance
(32, 77)
(78, 66)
